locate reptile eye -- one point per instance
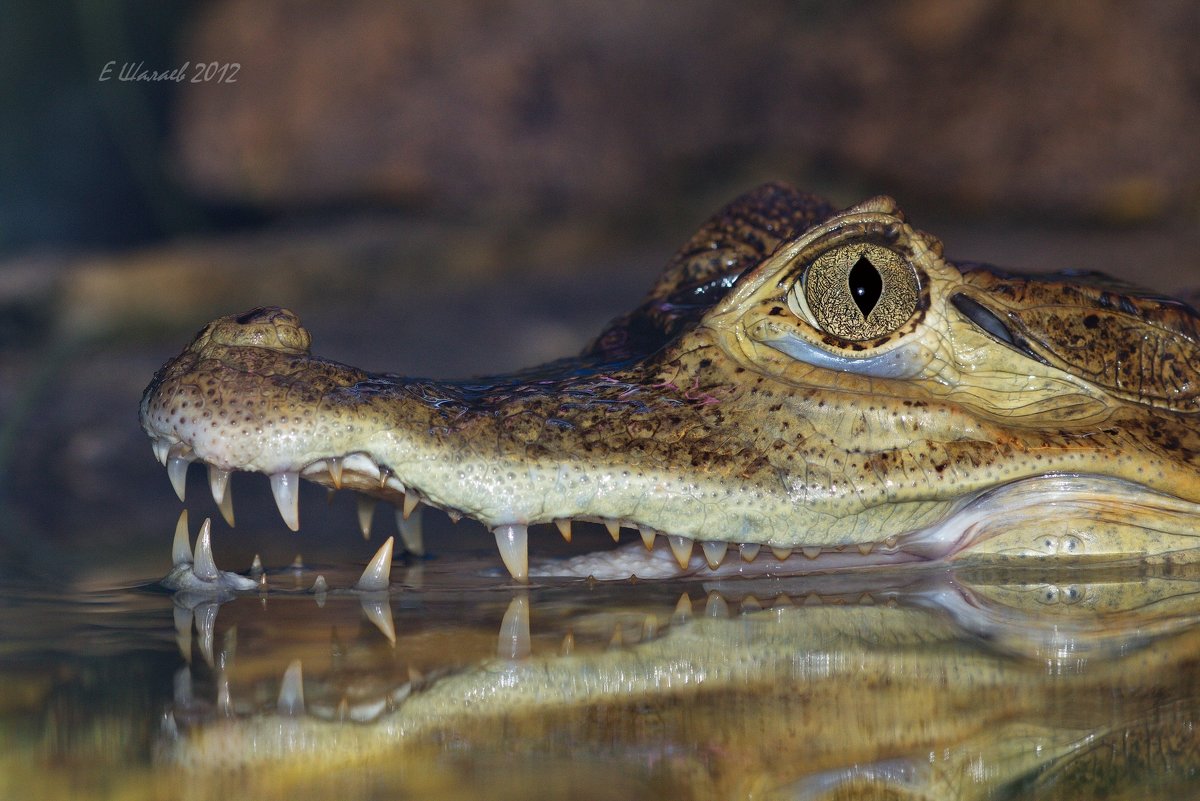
(860, 291)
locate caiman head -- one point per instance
(799, 379)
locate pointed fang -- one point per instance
(749, 551)
(181, 548)
(714, 553)
(285, 487)
(614, 529)
(682, 548)
(202, 560)
(335, 471)
(161, 449)
(226, 507)
(564, 528)
(377, 575)
(218, 482)
(648, 536)
(366, 513)
(412, 532)
(291, 690)
(411, 501)
(513, 542)
(177, 466)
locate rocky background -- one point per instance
(462, 186)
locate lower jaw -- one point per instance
(1063, 516)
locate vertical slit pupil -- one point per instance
(866, 285)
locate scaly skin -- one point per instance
(720, 411)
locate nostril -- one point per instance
(251, 316)
(261, 327)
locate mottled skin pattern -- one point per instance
(720, 411)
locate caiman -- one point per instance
(806, 386)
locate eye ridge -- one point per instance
(866, 285)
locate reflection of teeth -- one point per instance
(513, 543)
(564, 528)
(181, 548)
(380, 614)
(614, 529)
(681, 547)
(412, 531)
(749, 551)
(177, 465)
(377, 574)
(291, 691)
(648, 535)
(284, 486)
(366, 513)
(514, 641)
(714, 552)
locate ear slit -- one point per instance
(987, 320)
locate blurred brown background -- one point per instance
(464, 186)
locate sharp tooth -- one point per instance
(285, 488)
(864, 548)
(218, 481)
(811, 552)
(682, 548)
(161, 449)
(648, 535)
(177, 465)
(781, 553)
(614, 529)
(256, 564)
(380, 615)
(320, 585)
(291, 690)
(513, 542)
(384, 474)
(411, 501)
(564, 528)
(412, 532)
(749, 551)
(181, 548)
(366, 513)
(513, 641)
(568, 644)
(335, 471)
(750, 604)
(202, 560)
(378, 572)
(890, 542)
(226, 507)
(714, 552)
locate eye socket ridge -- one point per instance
(860, 291)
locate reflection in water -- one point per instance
(453, 685)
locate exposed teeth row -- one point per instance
(285, 488)
(512, 539)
